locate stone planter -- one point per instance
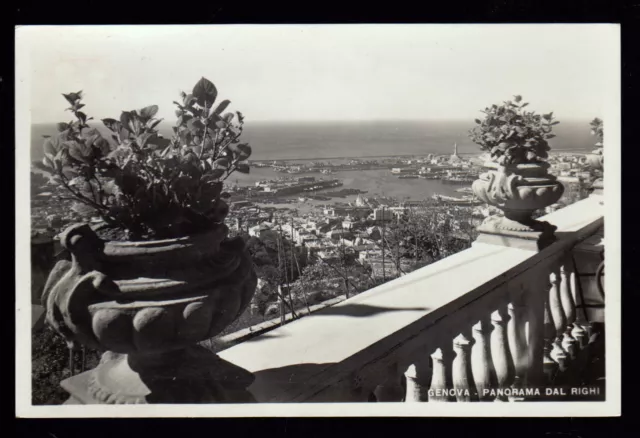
(148, 304)
(518, 191)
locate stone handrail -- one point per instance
(489, 317)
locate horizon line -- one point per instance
(292, 121)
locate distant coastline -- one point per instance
(357, 157)
(357, 140)
(361, 157)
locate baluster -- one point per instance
(569, 344)
(516, 330)
(418, 377)
(580, 335)
(440, 378)
(462, 374)
(484, 373)
(536, 300)
(500, 351)
(579, 331)
(549, 365)
(559, 321)
(390, 390)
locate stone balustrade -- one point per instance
(491, 323)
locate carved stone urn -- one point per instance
(518, 191)
(148, 304)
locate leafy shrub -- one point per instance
(513, 135)
(596, 160)
(597, 130)
(139, 182)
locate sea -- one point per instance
(327, 141)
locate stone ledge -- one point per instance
(302, 358)
(527, 240)
(248, 333)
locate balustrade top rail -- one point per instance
(365, 334)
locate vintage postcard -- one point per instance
(318, 220)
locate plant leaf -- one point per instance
(242, 150)
(47, 162)
(208, 143)
(205, 92)
(195, 125)
(154, 123)
(243, 168)
(69, 98)
(221, 162)
(221, 107)
(80, 152)
(125, 118)
(149, 111)
(112, 124)
(185, 137)
(144, 138)
(188, 100)
(51, 146)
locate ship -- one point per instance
(457, 179)
(465, 200)
(410, 176)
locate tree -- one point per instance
(429, 233)
(274, 258)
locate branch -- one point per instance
(79, 196)
(344, 276)
(204, 136)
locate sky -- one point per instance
(321, 72)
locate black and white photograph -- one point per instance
(366, 219)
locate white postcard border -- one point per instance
(25, 36)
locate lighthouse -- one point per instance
(454, 157)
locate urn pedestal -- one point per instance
(518, 191)
(148, 304)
